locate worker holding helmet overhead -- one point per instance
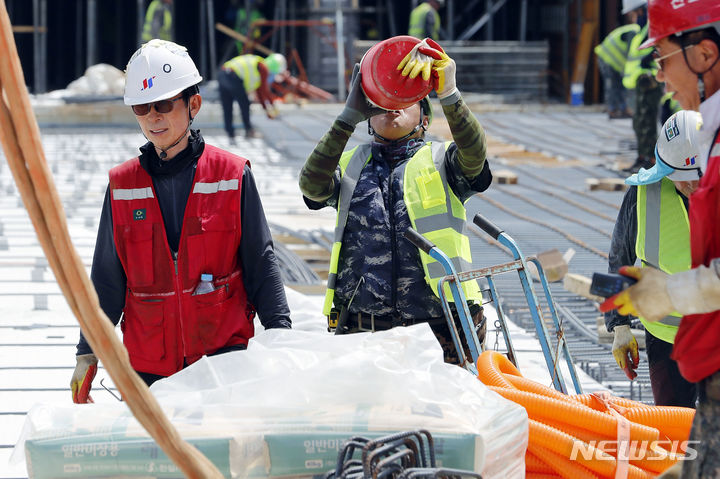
(378, 279)
(242, 76)
(686, 37)
(184, 258)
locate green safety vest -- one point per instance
(241, 25)
(633, 65)
(165, 32)
(417, 21)
(246, 67)
(663, 241)
(434, 211)
(613, 50)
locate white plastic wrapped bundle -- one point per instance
(284, 407)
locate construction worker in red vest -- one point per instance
(184, 258)
(686, 37)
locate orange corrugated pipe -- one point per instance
(541, 407)
(534, 464)
(562, 466)
(591, 401)
(492, 368)
(530, 386)
(673, 422)
(598, 462)
(654, 460)
(540, 475)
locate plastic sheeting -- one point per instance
(284, 407)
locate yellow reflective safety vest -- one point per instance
(633, 65)
(663, 241)
(246, 67)
(417, 22)
(614, 49)
(165, 32)
(434, 211)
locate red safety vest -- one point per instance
(697, 340)
(163, 324)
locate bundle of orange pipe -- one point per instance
(578, 436)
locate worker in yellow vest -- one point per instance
(158, 21)
(377, 278)
(639, 75)
(242, 76)
(425, 20)
(653, 226)
(611, 55)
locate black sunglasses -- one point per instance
(162, 106)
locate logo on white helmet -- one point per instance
(671, 129)
(147, 83)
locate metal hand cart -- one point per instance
(519, 264)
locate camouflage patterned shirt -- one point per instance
(374, 247)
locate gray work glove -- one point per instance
(82, 378)
(357, 107)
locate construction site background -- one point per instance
(538, 50)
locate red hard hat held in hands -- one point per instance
(383, 84)
(670, 17)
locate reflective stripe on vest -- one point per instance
(165, 29)
(663, 241)
(613, 50)
(351, 164)
(417, 21)
(132, 193)
(633, 65)
(222, 185)
(245, 66)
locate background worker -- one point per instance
(375, 272)
(158, 21)
(652, 226)
(242, 76)
(640, 76)
(686, 36)
(244, 20)
(179, 212)
(611, 55)
(425, 20)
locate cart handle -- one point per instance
(419, 240)
(487, 226)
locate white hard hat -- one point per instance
(676, 152)
(158, 70)
(630, 5)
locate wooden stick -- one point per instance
(239, 36)
(23, 141)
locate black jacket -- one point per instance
(172, 181)
(622, 247)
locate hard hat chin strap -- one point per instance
(417, 128)
(700, 81)
(163, 151)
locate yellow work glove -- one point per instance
(429, 58)
(657, 294)
(647, 298)
(625, 350)
(82, 378)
